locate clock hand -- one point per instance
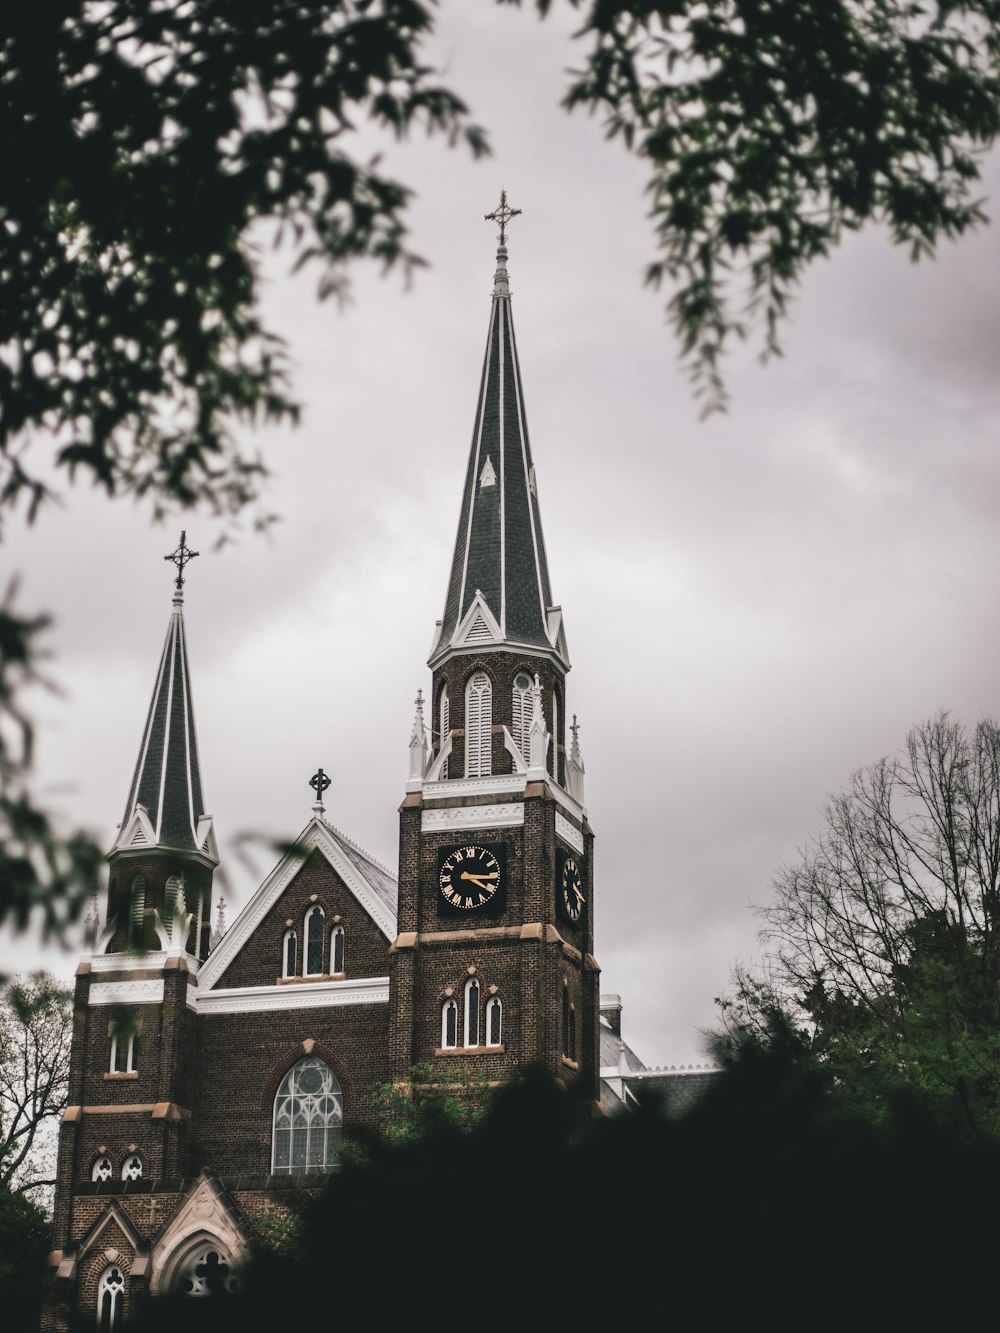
(477, 879)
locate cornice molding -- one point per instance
(508, 815)
(307, 995)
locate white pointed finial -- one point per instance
(220, 924)
(418, 742)
(574, 766)
(538, 736)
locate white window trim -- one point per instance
(337, 934)
(132, 1157)
(449, 1006)
(104, 1175)
(290, 934)
(494, 1002)
(117, 1297)
(129, 1055)
(479, 726)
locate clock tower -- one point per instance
(492, 970)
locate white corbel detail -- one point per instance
(173, 934)
(106, 935)
(433, 774)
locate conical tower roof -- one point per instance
(165, 807)
(499, 562)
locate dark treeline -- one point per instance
(769, 1205)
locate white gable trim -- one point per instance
(137, 833)
(315, 834)
(205, 1213)
(477, 609)
(304, 995)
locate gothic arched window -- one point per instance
(123, 1050)
(289, 954)
(472, 1012)
(308, 1119)
(110, 1299)
(521, 711)
(337, 950)
(132, 1167)
(207, 1272)
(554, 746)
(449, 1025)
(173, 886)
(101, 1169)
(137, 910)
(479, 727)
(314, 932)
(572, 1032)
(444, 710)
(565, 1020)
(494, 1021)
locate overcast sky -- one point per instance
(755, 605)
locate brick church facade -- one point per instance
(214, 1076)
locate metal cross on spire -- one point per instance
(502, 216)
(181, 557)
(319, 783)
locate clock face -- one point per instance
(569, 891)
(471, 878)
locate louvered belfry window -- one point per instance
(445, 725)
(521, 712)
(478, 726)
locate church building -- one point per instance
(214, 1074)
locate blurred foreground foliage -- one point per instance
(24, 1248)
(768, 1205)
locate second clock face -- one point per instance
(570, 894)
(471, 879)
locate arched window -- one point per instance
(132, 1167)
(494, 1021)
(207, 1272)
(472, 1012)
(289, 954)
(137, 910)
(449, 1025)
(314, 941)
(444, 710)
(554, 745)
(308, 1119)
(110, 1299)
(479, 727)
(521, 711)
(123, 1050)
(101, 1170)
(571, 1052)
(171, 889)
(337, 950)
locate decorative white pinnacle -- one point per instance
(574, 766)
(220, 923)
(418, 742)
(501, 284)
(538, 736)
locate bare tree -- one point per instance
(36, 1023)
(880, 944)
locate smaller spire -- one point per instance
(319, 783)
(418, 741)
(538, 735)
(220, 924)
(575, 770)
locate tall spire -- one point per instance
(165, 807)
(498, 589)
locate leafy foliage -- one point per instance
(771, 126)
(881, 943)
(24, 1247)
(36, 1027)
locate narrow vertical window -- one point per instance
(123, 1051)
(171, 889)
(554, 746)
(289, 954)
(565, 1019)
(472, 1012)
(137, 910)
(494, 1022)
(479, 727)
(521, 711)
(449, 1024)
(572, 1032)
(445, 716)
(337, 949)
(314, 941)
(110, 1298)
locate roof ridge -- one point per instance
(373, 860)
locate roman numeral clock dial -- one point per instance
(471, 879)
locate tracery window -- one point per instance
(314, 932)
(110, 1299)
(208, 1272)
(337, 950)
(132, 1167)
(521, 712)
(479, 727)
(171, 889)
(449, 1024)
(308, 1119)
(289, 954)
(101, 1170)
(445, 714)
(472, 1012)
(494, 1022)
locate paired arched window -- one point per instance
(479, 727)
(308, 1119)
(315, 930)
(474, 1031)
(132, 1167)
(101, 1170)
(290, 954)
(207, 1272)
(521, 711)
(337, 950)
(110, 1299)
(444, 713)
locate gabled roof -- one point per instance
(372, 884)
(165, 807)
(499, 551)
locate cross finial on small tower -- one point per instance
(181, 558)
(502, 215)
(319, 783)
